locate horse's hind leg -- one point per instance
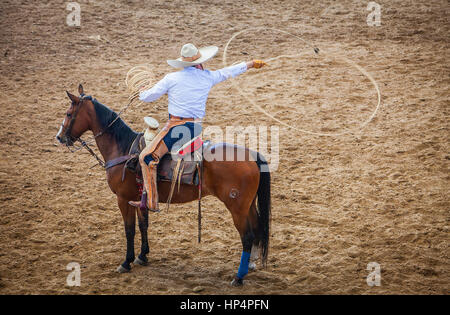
(245, 222)
(129, 220)
(143, 228)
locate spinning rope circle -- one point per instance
(316, 50)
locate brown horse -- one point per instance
(243, 185)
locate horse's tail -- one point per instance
(264, 207)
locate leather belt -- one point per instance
(175, 118)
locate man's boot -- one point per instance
(140, 204)
(149, 174)
(143, 204)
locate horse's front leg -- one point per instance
(143, 228)
(129, 220)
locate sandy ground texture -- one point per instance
(379, 194)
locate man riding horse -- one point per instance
(188, 91)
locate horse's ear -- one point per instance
(80, 89)
(72, 97)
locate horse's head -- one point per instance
(76, 121)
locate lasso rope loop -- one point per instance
(139, 78)
(316, 50)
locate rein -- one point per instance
(86, 146)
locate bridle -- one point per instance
(73, 117)
(84, 144)
(68, 133)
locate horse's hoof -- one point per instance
(122, 269)
(139, 261)
(237, 282)
(251, 266)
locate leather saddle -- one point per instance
(186, 163)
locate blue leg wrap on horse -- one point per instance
(243, 267)
(148, 159)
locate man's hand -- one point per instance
(255, 64)
(258, 64)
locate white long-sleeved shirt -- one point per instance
(188, 89)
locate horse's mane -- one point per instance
(121, 132)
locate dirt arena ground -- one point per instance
(379, 194)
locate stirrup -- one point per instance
(140, 204)
(135, 204)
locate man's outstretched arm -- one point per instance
(235, 70)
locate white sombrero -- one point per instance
(191, 56)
